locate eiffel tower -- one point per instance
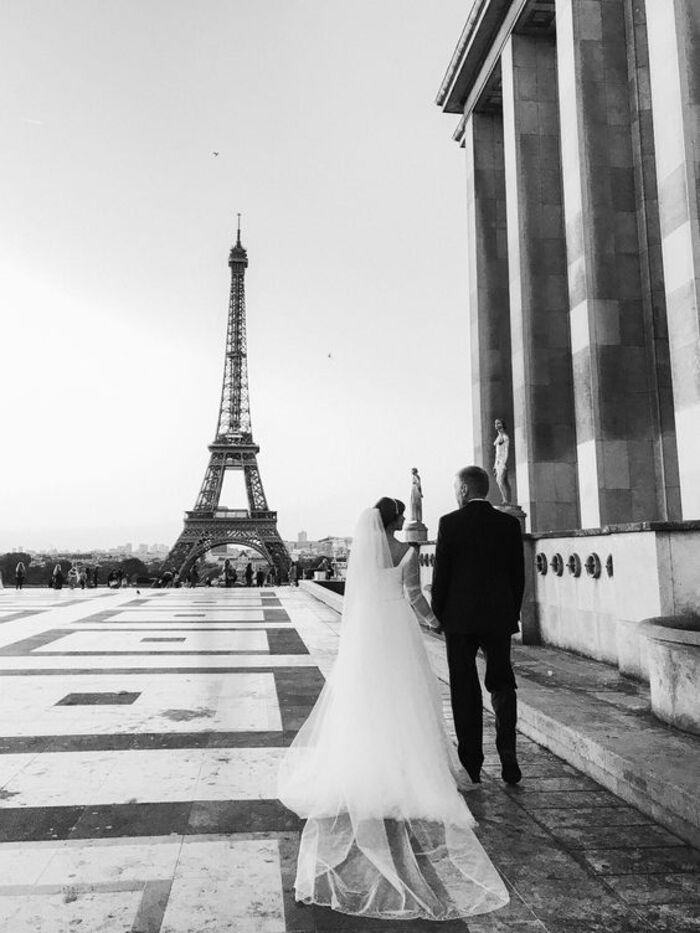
(208, 524)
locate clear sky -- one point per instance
(115, 225)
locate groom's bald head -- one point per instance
(471, 483)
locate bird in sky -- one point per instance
(215, 154)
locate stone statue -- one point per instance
(416, 497)
(500, 463)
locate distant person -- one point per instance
(193, 577)
(260, 577)
(95, 576)
(230, 575)
(72, 577)
(20, 574)
(82, 577)
(166, 581)
(294, 575)
(113, 579)
(57, 577)
(272, 577)
(248, 574)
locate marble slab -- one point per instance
(96, 861)
(155, 662)
(67, 779)
(177, 626)
(231, 702)
(69, 910)
(226, 885)
(128, 642)
(242, 599)
(183, 615)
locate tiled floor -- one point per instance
(137, 781)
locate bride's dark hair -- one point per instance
(389, 509)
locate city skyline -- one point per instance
(118, 222)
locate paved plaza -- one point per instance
(140, 740)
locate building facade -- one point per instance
(580, 121)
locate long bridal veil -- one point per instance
(387, 833)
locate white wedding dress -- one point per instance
(372, 769)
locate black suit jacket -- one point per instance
(479, 573)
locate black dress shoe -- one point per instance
(510, 772)
(473, 769)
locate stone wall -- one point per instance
(589, 591)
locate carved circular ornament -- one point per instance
(593, 566)
(541, 564)
(574, 565)
(557, 564)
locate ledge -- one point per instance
(600, 722)
(481, 28)
(626, 528)
(322, 594)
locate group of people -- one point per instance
(372, 770)
(77, 575)
(85, 577)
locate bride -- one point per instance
(372, 769)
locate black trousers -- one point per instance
(465, 692)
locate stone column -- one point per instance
(613, 403)
(492, 391)
(651, 262)
(674, 57)
(539, 297)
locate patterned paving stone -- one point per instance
(148, 805)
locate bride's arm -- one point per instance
(419, 604)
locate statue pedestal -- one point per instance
(514, 510)
(415, 533)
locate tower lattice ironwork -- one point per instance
(208, 524)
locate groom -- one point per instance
(478, 584)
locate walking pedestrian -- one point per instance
(230, 575)
(57, 577)
(20, 574)
(260, 577)
(248, 574)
